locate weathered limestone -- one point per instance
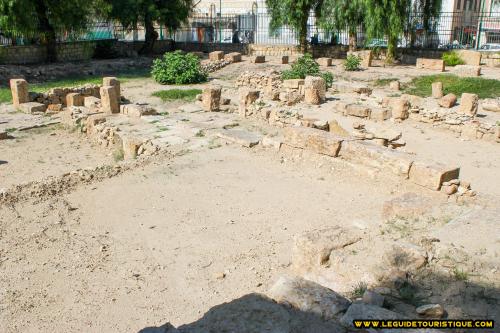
(467, 70)
(335, 128)
(367, 312)
(430, 310)
(373, 298)
(432, 175)
(380, 114)
(109, 100)
(469, 104)
(130, 147)
(308, 296)
(407, 205)
(19, 90)
(448, 101)
(32, 107)
(92, 103)
(210, 98)
(241, 137)
(137, 110)
(470, 57)
(395, 85)
(74, 99)
(400, 108)
(233, 57)
(293, 83)
(357, 110)
(318, 141)
(247, 97)
(349, 87)
(284, 60)
(366, 57)
(437, 90)
(378, 158)
(315, 90)
(433, 64)
(113, 82)
(260, 59)
(216, 55)
(406, 257)
(324, 61)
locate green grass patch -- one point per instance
(384, 82)
(484, 88)
(177, 94)
(6, 97)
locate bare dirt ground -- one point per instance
(171, 239)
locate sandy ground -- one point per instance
(169, 240)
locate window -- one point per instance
(459, 2)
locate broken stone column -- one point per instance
(19, 90)
(74, 99)
(247, 97)
(448, 101)
(400, 108)
(113, 82)
(469, 104)
(109, 101)
(315, 90)
(210, 98)
(437, 90)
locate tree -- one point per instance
(294, 13)
(131, 13)
(390, 18)
(336, 15)
(44, 19)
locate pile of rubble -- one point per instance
(211, 66)
(260, 80)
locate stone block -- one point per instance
(448, 101)
(210, 98)
(32, 107)
(357, 110)
(74, 99)
(309, 297)
(432, 64)
(260, 59)
(373, 298)
(467, 70)
(326, 62)
(380, 114)
(432, 175)
(109, 101)
(284, 60)
(19, 90)
(366, 57)
(137, 110)
(293, 83)
(437, 90)
(130, 147)
(367, 312)
(241, 137)
(113, 82)
(376, 157)
(335, 128)
(395, 85)
(472, 58)
(317, 141)
(469, 104)
(92, 103)
(233, 57)
(246, 97)
(400, 108)
(216, 55)
(315, 90)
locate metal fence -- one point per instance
(461, 29)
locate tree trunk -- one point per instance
(47, 30)
(353, 40)
(150, 35)
(391, 49)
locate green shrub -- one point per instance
(352, 63)
(452, 58)
(177, 94)
(178, 68)
(306, 66)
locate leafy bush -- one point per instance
(306, 66)
(352, 63)
(178, 68)
(452, 58)
(176, 94)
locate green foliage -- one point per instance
(177, 94)
(178, 68)
(452, 58)
(352, 63)
(104, 49)
(306, 66)
(359, 290)
(118, 155)
(484, 88)
(460, 275)
(294, 14)
(384, 82)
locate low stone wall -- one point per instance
(210, 47)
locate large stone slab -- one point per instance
(241, 137)
(469, 104)
(211, 98)
(19, 90)
(377, 157)
(216, 55)
(113, 82)
(357, 110)
(233, 57)
(318, 141)
(308, 296)
(433, 64)
(32, 107)
(470, 57)
(432, 174)
(74, 99)
(467, 70)
(109, 100)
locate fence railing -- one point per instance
(464, 29)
